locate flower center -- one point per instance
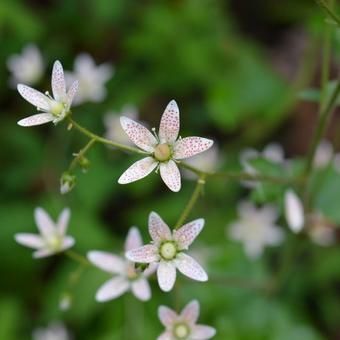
(54, 243)
(181, 331)
(162, 152)
(131, 272)
(168, 250)
(56, 108)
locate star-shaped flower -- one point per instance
(126, 277)
(54, 108)
(256, 228)
(52, 238)
(184, 326)
(164, 149)
(167, 250)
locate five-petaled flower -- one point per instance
(166, 249)
(164, 149)
(52, 238)
(54, 109)
(184, 326)
(126, 276)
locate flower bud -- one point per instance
(67, 182)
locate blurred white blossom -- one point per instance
(325, 155)
(167, 250)
(27, 67)
(256, 228)
(54, 331)
(294, 211)
(184, 326)
(92, 79)
(126, 276)
(114, 130)
(52, 238)
(321, 230)
(54, 109)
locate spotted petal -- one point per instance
(191, 146)
(141, 289)
(133, 239)
(189, 267)
(38, 119)
(158, 229)
(167, 316)
(138, 170)
(58, 82)
(106, 261)
(63, 221)
(202, 332)
(44, 223)
(166, 275)
(145, 254)
(139, 134)
(171, 175)
(30, 240)
(34, 97)
(112, 289)
(71, 93)
(169, 126)
(187, 233)
(191, 312)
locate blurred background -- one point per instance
(244, 73)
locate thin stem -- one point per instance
(194, 197)
(104, 140)
(328, 10)
(81, 154)
(78, 257)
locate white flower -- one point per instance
(165, 149)
(126, 277)
(294, 211)
(92, 79)
(167, 250)
(26, 67)
(184, 326)
(325, 155)
(52, 238)
(54, 109)
(321, 230)
(256, 228)
(206, 161)
(55, 331)
(114, 130)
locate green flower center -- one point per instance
(162, 152)
(54, 243)
(181, 331)
(56, 108)
(168, 250)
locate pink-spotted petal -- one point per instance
(133, 239)
(158, 229)
(141, 289)
(166, 275)
(165, 336)
(191, 146)
(145, 254)
(71, 93)
(38, 119)
(138, 170)
(58, 82)
(63, 221)
(44, 223)
(185, 235)
(106, 261)
(190, 268)
(191, 312)
(112, 289)
(169, 126)
(202, 332)
(30, 240)
(167, 316)
(139, 134)
(34, 97)
(171, 175)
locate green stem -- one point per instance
(194, 197)
(78, 258)
(81, 154)
(328, 10)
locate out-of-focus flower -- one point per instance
(126, 276)
(167, 250)
(27, 67)
(294, 211)
(114, 130)
(321, 230)
(92, 79)
(273, 152)
(54, 109)
(54, 331)
(65, 302)
(52, 238)
(165, 149)
(325, 155)
(207, 161)
(184, 326)
(256, 228)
